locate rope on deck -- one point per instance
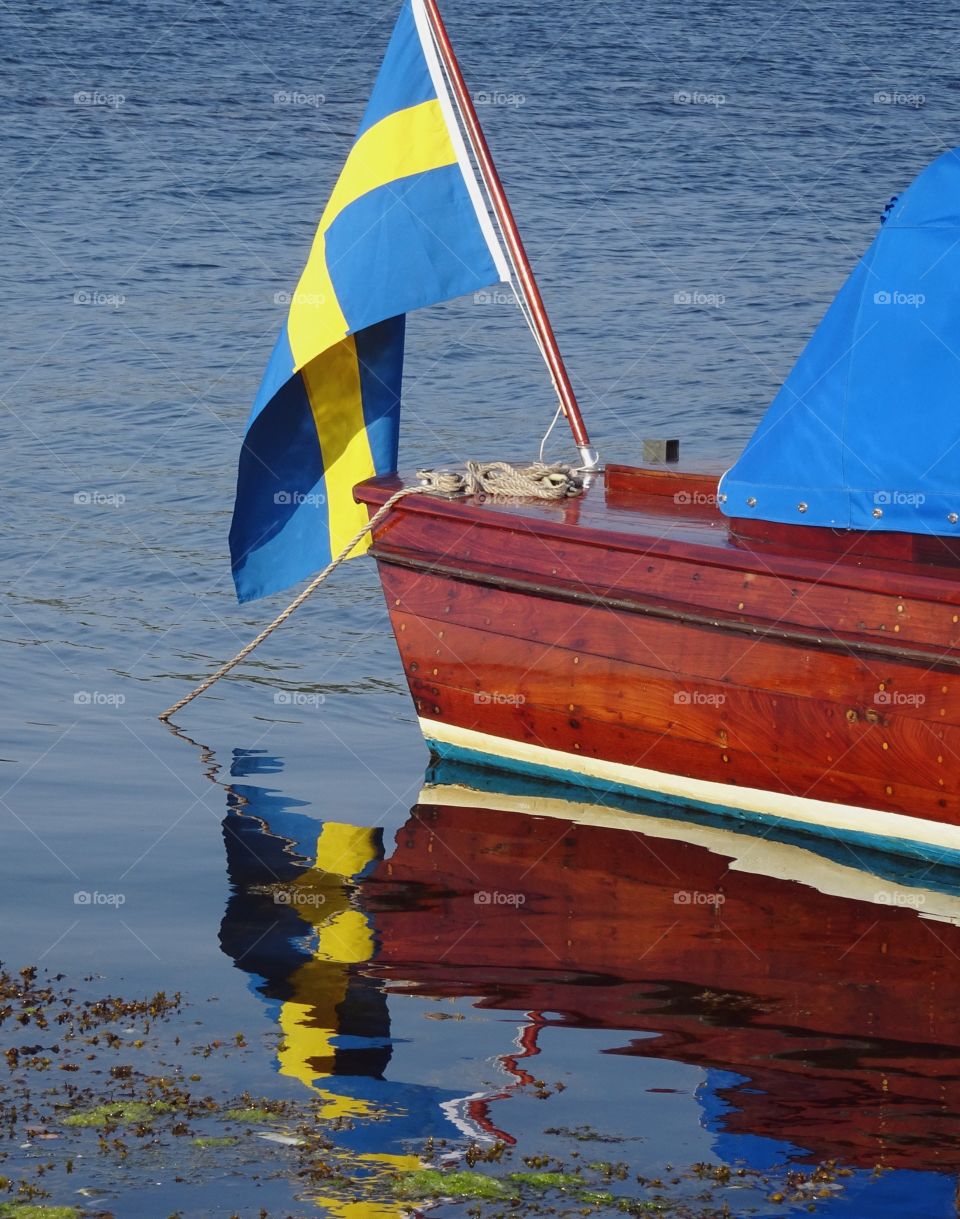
(498, 479)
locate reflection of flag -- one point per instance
(405, 227)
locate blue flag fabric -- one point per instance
(405, 227)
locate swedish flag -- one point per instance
(405, 227)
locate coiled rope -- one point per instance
(497, 479)
(501, 480)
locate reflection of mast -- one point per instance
(527, 1044)
(476, 1108)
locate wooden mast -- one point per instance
(501, 205)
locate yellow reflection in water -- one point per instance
(310, 1019)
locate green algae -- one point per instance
(544, 1185)
(429, 1183)
(119, 1113)
(250, 1115)
(546, 1180)
(29, 1210)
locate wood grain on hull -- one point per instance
(796, 675)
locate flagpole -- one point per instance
(501, 205)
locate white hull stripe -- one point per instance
(800, 811)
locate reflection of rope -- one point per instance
(494, 478)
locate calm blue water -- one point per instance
(158, 189)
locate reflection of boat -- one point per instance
(835, 1017)
(826, 1023)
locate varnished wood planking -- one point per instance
(908, 615)
(728, 715)
(640, 480)
(670, 752)
(683, 650)
(796, 710)
(664, 529)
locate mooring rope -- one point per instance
(498, 479)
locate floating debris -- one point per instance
(130, 1104)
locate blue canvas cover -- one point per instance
(865, 432)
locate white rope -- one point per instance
(294, 605)
(501, 480)
(546, 435)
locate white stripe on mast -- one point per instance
(456, 135)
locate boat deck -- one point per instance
(671, 513)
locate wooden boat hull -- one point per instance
(630, 641)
